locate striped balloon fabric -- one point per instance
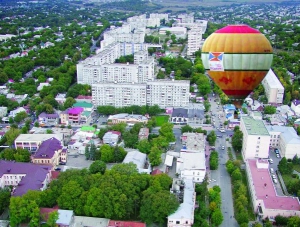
(237, 58)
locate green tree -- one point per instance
(237, 139)
(217, 217)
(97, 167)
(125, 169)
(281, 220)
(69, 198)
(4, 198)
(20, 116)
(155, 156)
(11, 135)
(144, 146)
(186, 128)
(69, 102)
(236, 175)
(293, 221)
(107, 153)
(214, 160)
(156, 206)
(269, 110)
(52, 218)
(206, 106)
(285, 167)
(166, 130)
(211, 138)
(119, 154)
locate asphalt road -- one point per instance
(220, 176)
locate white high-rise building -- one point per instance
(162, 93)
(160, 16)
(256, 138)
(194, 40)
(273, 88)
(119, 94)
(168, 93)
(185, 18)
(140, 72)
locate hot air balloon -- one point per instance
(237, 58)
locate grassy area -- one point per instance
(160, 120)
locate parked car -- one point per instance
(275, 181)
(223, 147)
(271, 170)
(62, 163)
(271, 161)
(57, 169)
(278, 155)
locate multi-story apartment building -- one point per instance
(163, 93)
(256, 138)
(141, 21)
(141, 71)
(185, 18)
(119, 94)
(168, 93)
(194, 40)
(273, 88)
(160, 16)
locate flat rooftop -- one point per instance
(264, 190)
(193, 142)
(255, 127)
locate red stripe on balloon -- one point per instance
(237, 92)
(238, 29)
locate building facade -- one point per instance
(194, 40)
(256, 138)
(169, 93)
(119, 94)
(273, 88)
(127, 118)
(24, 176)
(285, 139)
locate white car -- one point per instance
(223, 148)
(271, 161)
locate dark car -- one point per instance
(57, 169)
(62, 163)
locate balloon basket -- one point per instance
(238, 103)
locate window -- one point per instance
(177, 222)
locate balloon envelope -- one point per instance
(237, 58)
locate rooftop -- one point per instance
(34, 175)
(190, 161)
(83, 104)
(180, 112)
(137, 158)
(193, 142)
(75, 110)
(254, 127)
(127, 116)
(272, 80)
(186, 209)
(44, 115)
(36, 137)
(288, 134)
(113, 223)
(48, 148)
(80, 221)
(265, 191)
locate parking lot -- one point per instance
(274, 165)
(76, 160)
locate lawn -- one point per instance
(160, 120)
